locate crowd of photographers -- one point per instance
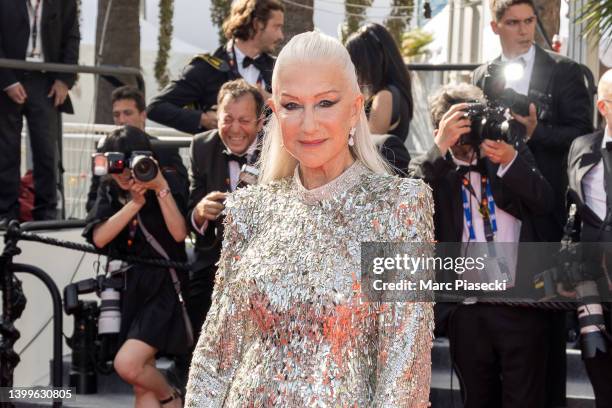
(510, 153)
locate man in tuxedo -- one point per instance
(254, 29)
(488, 191)
(129, 108)
(590, 188)
(42, 31)
(549, 131)
(216, 160)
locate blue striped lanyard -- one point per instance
(486, 207)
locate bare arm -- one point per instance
(173, 218)
(109, 229)
(175, 222)
(380, 114)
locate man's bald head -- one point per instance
(604, 90)
(604, 98)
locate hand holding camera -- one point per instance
(497, 151)
(453, 125)
(530, 122)
(210, 207)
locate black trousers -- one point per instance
(599, 369)
(499, 354)
(42, 118)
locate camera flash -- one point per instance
(513, 71)
(99, 164)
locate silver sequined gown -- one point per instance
(287, 327)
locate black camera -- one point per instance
(94, 341)
(141, 163)
(497, 94)
(488, 122)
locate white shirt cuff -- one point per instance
(200, 229)
(11, 86)
(504, 168)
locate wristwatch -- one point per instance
(163, 192)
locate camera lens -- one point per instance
(110, 314)
(144, 168)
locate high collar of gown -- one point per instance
(345, 181)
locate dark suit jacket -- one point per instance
(584, 154)
(570, 117)
(197, 90)
(522, 192)
(59, 35)
(394, 151)
(209, 172)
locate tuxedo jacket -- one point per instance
(570, 116)
(522, 192)
(60, 38)
(584, 154)
(180, 104)
(208, 172)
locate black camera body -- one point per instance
(141, 163)
(94, 341)
(488, 122)
(496, 93)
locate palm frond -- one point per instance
(596, 15)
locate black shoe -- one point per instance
(4, 222)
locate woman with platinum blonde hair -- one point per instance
(289, 325)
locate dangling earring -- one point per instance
(351, 139)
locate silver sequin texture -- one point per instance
(288, 326)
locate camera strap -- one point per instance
(486, 207)
(175, 280)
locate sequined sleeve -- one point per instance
(405, 329)
(220, 344)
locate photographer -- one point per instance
(216, 160)
(143, 218)
(129, 108)
(560, 111)
(590, 188)
(498, 352)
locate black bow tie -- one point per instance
(255, 61)
(242, 160)
(463, 170)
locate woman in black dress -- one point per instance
(152, 318)
(381, 70)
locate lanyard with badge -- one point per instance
(486, 207)
(33, 12)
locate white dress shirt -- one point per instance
(593, 184)
(35, 53)
(500, 260)
(521, 85)
(251, 73)
(234, 174)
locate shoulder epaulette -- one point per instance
(215, 62)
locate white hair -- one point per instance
(275, 161)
